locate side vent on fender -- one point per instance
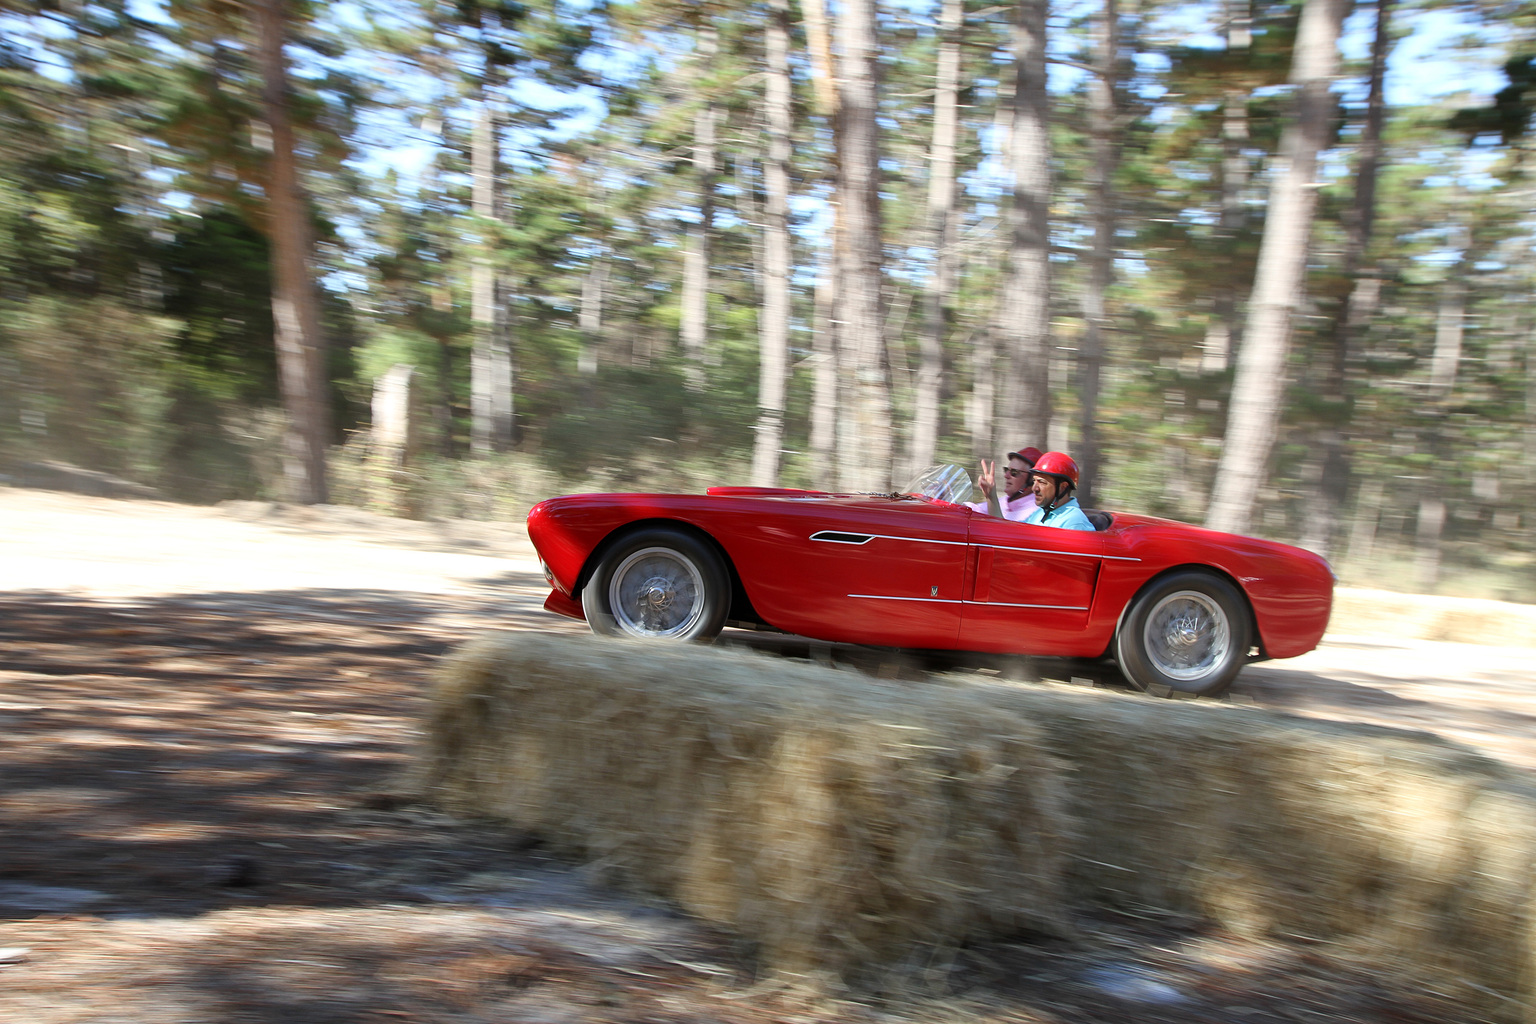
(835, 537)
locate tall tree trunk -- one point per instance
(864, 456)
(1430, 525)
(490, 360)
(1355, 309)
(1255, 406)
(941, 229)
(818, 43)
(504, 369)
(1105, 149)
(1221, 334)
(826, 357)
(774, 323)
(824, 363)
(694, 327)
(1445, 361)
(295, 304)
(981, 408)
(982, 420)
(1026, 322)
(590, 319)
(1530, 411)
(1450, 325)
(1362, 535)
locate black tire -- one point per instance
(658, 584)
(1186, 635)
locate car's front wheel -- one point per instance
(1187, 634)
(658, 583)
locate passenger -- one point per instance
(1018, 501)
(1055, 480)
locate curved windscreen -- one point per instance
(948, 482)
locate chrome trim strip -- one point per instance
(837, 537)
(888, 536)
(983, 604)
(1048, 551)
(925, 600)
(996, 547)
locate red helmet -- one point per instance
(1058, 465)
(1030, 455)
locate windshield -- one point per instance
(948, 482)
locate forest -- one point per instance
(1262, 265)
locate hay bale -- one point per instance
(847, 824)
(840, 824)
(1399, 845)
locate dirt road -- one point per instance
(460, 575)
(203, 715)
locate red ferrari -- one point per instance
(1178, 608)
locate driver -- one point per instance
(1018, 501)
(1055, 480)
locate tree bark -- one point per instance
(826, 357)
(490, 360)
(590, 319)
(979, 411)
(295, 304)
(694, 327)
(1026, 322)
(1256, 393)
(818, 42)
(982, 419)
(1445, 362)
(941, 228)
(1355, 309)
(774, 321)
(1105, 150)
(1221, 336)
(1450, 326)
(864, 456)
(1426, 551)
(824, 363)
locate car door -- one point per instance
(855, 569)
(1028, 589)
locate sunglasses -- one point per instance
(1018, 472)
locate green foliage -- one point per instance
(135, 285)
(90, 382)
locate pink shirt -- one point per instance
(1015, 510)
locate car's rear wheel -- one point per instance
(1187, 634)
(659, 584)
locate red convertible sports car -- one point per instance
(1178, 608)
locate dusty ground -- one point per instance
(204, 713)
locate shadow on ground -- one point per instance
(204, 818)
(189, 754)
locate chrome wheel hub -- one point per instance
(1187, 635)
(657, 593)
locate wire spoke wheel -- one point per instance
(1187, 635)
(656, 592)
(659, 583)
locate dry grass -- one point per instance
(847, 824)
(1392, 842)
(1467, 620)
(838, 824)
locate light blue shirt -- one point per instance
(1066, 515)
